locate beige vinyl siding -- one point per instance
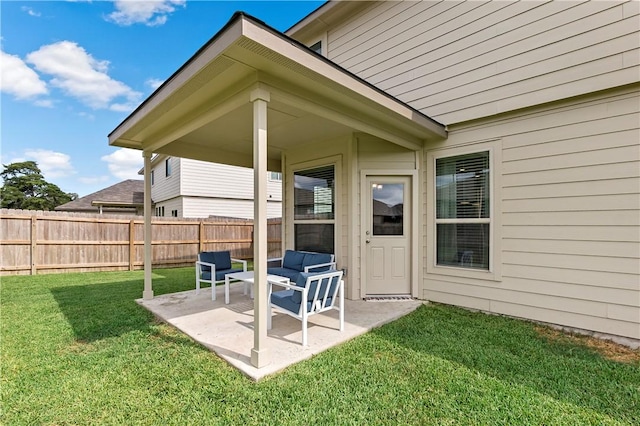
(374, 153)
(165, 188)
(457, 61)
(204, 179)
(570, 214)
(205, 206)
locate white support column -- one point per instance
(148, 285)
(260, 98)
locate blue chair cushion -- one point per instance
(222, 259)
(292, 274)
(207, 256)
(316, 259)
(293, 260)
(220, 274)
(206, 275)
(285, 300)
(302, 281)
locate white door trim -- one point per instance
(414, 218)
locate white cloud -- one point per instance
(45, 103)
(52, 164)
(30, 11)
(150, 13)
(154, 83)
(126, 107)
(124, 163)
(82, 76)
(86, 115)
(18, 79)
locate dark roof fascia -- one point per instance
(238, 16)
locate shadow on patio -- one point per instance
(228, 329)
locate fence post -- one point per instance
(201, 237)
(34, 236)
(132, 248)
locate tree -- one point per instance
(25, 188)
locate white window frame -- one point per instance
(336, 162)
(324, 48)
(167, 168)
(274, 176)
(495, 159)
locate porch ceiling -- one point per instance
(204, 111)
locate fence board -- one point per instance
(34, 242)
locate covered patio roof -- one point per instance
(246, 97)
(204, 111)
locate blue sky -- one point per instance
(73, 70)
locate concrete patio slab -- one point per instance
(228, 329)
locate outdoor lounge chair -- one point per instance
(294, 261)
(212, 266)
(319, 291)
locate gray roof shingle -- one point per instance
(128, 192)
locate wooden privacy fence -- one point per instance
(34, 242)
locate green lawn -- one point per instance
(77, 349)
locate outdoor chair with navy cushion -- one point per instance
(212, 266)
(294, 262)
(312, 293)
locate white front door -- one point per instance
(387, 235)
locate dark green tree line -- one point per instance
(24, 187)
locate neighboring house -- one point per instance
(181, 187)
(506, 134)
(126, 197)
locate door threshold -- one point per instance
(389, 298)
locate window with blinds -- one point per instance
(463, 211)
(314, 209)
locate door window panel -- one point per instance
(387, 208)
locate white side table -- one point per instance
(247, 278)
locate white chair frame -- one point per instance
(212, 281)
(319, 303)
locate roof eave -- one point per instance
(242, 28)
(116, 203)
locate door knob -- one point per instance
(367, 241)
